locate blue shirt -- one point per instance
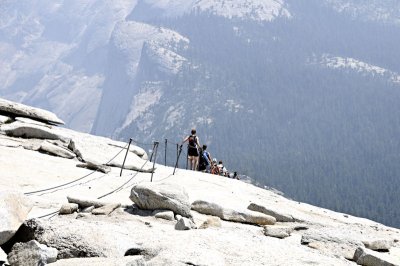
(206, 154)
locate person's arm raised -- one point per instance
(184, 140)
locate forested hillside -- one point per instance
(266, 102)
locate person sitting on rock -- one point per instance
(222, 170)
(234, 175)
(214, 167)
(204, 159)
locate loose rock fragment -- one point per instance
(31, 253)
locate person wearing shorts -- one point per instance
(193, 149)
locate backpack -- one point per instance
(202, 161)
(203, 157)
(193, 141)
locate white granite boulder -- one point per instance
(278, 231)
(19, 109)
(31, 253)
(227, 214)
(278, 214)
(184, 224)
(30, 131)
(164, 214)
(332, 240)
(78, 238)
(68, 208)
(95, 166)
(87, 209)
(153, 196)
(30, 121)
(56, 150)
(368, 257)
(14, 209)
(378, 245)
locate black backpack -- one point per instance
(203, 158)
(193, 141)
(202, 162)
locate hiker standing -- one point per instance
(193, 152)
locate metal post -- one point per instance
(155, 158)
(187, 158)
(177, 153)
(177, 159)
(165, 152)
(126, 154)
(152, 152)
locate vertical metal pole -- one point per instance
(177, 153)
(126, 154)
(187, 158)
(152, 152)
(165, 152)
(155, 158)
(177, 159)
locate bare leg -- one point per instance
(196, 162)
(193, 164)
(190, 163)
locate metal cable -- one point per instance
(121, 187)
(52, 213)
(142, 143)
(82, 183)
(73, 181)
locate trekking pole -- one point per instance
(165, 152)
(155, 157)
(126, 154)
(177, 159)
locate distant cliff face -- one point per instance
(301, 95)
